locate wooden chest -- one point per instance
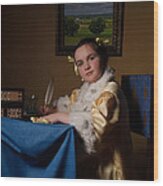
(12, 100)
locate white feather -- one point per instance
(49, 93)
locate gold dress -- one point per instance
(98, 111)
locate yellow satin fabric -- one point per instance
(113, 170)
(102, 111)
(74, 95)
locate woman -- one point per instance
(98, 111)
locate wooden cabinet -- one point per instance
(12, 102)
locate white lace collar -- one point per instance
(107, 76)
(90, 91)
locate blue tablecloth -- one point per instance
(37, 150)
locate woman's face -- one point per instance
(88, 63)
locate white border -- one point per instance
(4, 2)
(64, 182)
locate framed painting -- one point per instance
(80, 20)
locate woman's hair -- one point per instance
(100, 49)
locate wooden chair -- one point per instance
(139, 93)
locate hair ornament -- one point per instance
(101, 41)
(72, 60)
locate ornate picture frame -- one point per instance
(114, 48)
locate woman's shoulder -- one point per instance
(109, 91)
(111, 86)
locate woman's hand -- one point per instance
(57, 117)
(44, 110)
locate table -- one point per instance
(37, 150)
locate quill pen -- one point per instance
(49, 93)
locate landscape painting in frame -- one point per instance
(91, 19)
(82, 20)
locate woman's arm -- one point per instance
(62, 109)
(103, 111)
(62, 117)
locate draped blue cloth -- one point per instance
(37, 150)
(139, 93)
